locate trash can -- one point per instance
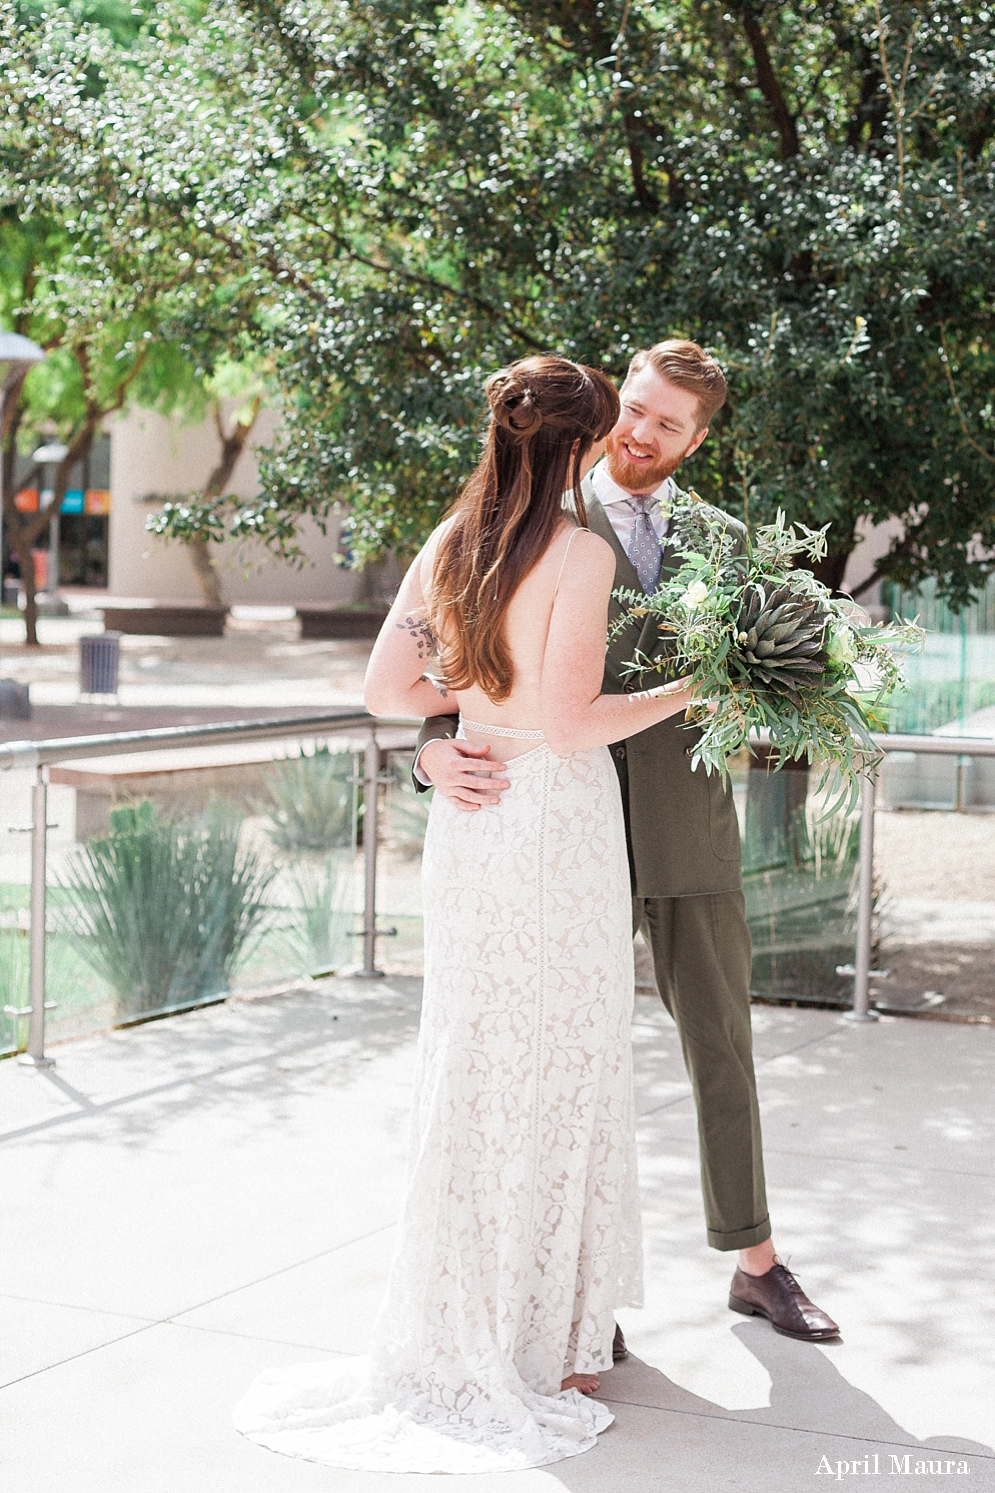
(99, 656)
(15, 704)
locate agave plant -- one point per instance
(164, 910)
(781, 637)
(320, 932)
(312, 802)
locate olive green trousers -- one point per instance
(701, 955)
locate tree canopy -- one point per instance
(398, 197)
(120, 322)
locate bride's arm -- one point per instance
(575, 714)
(395, 682)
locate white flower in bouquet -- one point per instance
(842, 646)
(695, 595)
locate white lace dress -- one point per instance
(520, 1229)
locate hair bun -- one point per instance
(514, 405)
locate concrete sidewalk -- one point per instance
(258, 664)
(194, 1200)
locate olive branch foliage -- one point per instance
(830, 702)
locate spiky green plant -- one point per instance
(323, 915)
(782, 638)
(164, 910)
(311, 802)
(15, 964)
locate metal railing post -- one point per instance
(865, 904)
(371, 794)
(35, 1055)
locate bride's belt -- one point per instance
(516, 731)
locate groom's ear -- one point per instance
(696, 442)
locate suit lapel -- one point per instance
(648, 639)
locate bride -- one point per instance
(519, 1234)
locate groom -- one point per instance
(682, 831)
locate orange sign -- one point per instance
(26, 501)
(97, 500)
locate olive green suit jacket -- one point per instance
(681, 826)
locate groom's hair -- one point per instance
(689, 367)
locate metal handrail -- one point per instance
(40, 756)
(34, 754)
(940, 746)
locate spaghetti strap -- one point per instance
(573, 536)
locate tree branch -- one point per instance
(961, 417)
(769, 85)
(644, 195)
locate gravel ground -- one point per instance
(945, 856)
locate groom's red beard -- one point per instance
(638, 476)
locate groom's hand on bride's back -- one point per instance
(468, 776)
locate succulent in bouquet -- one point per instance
(766, 646)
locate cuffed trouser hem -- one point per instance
(744, 1239)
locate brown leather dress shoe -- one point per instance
(778, 1297)
(619, 1350)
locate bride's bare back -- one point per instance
(526, 629)
(556, 628)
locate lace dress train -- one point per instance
(520, 1229)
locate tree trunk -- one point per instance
(832, 569)
(30, 600)
(205, 570)
(206, 573)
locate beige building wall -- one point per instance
(873, 542)
(152, 456)
(155, 456)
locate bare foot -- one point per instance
(586, 1383)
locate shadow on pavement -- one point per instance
(258, 1055)
(668, 1438)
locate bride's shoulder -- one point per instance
(581, 556)
(585, 546)
(429, 551)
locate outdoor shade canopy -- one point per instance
(51, 453)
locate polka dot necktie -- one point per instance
(644, 547)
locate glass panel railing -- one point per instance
(935, 913)
(15, 923)
(305, 821)
(951, 683)
(185, 875)
(404, 816)
(799, 879)
(175, 877)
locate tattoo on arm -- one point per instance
(422, 634)
(438, 684)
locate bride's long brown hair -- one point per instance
(545, 415)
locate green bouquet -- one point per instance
(766, 646)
